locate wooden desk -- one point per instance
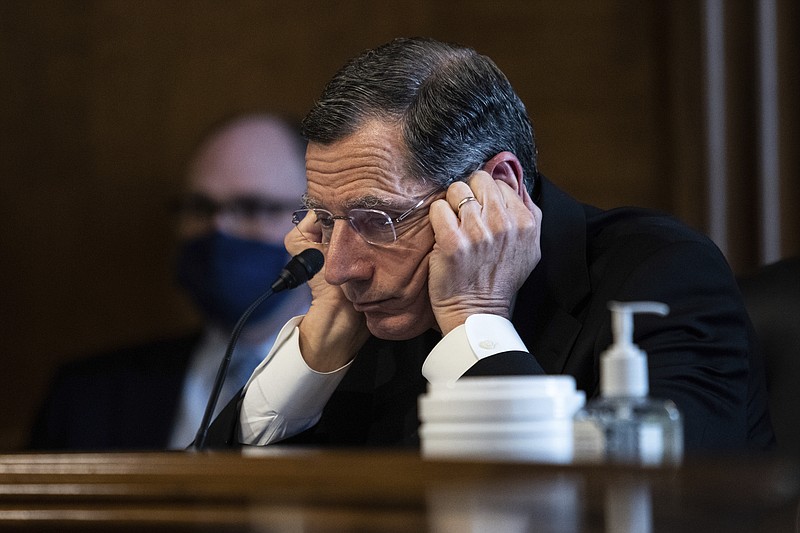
(302, 491)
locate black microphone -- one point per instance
(297, 271)
(300, 269)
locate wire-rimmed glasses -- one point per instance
(373, 225)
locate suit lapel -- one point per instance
(549, 304)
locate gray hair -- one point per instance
(455, 107)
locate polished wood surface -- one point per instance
(315, 491)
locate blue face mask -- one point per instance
(225, 274)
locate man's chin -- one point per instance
(397, 327)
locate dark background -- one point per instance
(102, 100)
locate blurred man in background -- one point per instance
(243, 181)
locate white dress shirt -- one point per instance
(285, 397)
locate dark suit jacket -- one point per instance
(702, 355)
(126, 399)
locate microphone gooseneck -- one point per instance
(297, 271)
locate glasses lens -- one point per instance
(374, 226)
(314, 224)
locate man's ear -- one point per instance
(506, 167)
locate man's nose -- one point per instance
(344, 260)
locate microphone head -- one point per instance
(300, 269)
(312, 261)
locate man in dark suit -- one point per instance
(243, 181)
(448, 254)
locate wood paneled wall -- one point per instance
(101, 100)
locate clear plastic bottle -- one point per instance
(625, 425)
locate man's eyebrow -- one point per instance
(309, 201)
(368, 201)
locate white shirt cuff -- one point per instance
(480, 336)
(287, 399)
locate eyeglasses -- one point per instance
(200, 206)
(373, 225)
(246, 215)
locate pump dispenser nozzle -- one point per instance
(623, 366)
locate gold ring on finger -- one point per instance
(464, 201)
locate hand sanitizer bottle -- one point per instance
(624, 425)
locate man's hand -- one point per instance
(332, 331)
(484, 251)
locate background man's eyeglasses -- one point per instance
(199, 206)
(245, 216)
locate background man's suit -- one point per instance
(140, 388)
